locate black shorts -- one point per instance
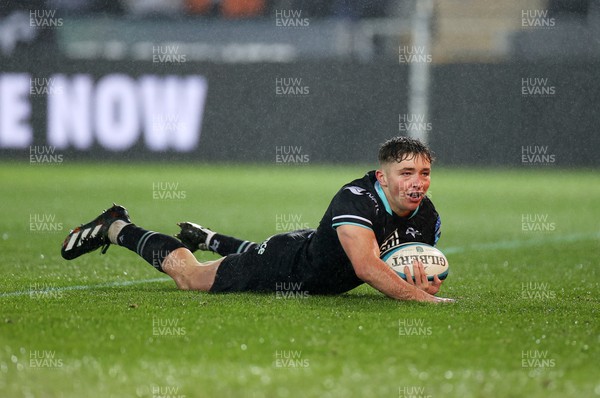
(273, 265)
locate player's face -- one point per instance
(405, 183)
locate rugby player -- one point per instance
(367, 216)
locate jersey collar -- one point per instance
(386, 204)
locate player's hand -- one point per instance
(420, 281)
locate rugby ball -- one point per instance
(434, 261)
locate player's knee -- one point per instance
(178, 265)
(176, 262)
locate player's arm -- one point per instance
(361, 248)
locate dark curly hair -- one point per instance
(401, 148)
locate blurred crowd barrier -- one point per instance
(294, 30)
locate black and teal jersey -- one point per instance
(362, 202)
(314, 260)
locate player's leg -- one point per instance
(114, 226)
(188, 273)
(196, 237)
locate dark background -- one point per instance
(478, 114)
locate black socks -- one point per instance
(151, 246)
(226, 245)
(154, 247)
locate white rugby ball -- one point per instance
(434, 261)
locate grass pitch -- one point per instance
(522, 245)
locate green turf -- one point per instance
(519, 292)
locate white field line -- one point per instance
(84, 287)
(509, 244)
(518, 244)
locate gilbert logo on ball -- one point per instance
(434, 261)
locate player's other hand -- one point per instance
(420, 281)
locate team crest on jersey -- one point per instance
(395, 239)
(413, 232)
